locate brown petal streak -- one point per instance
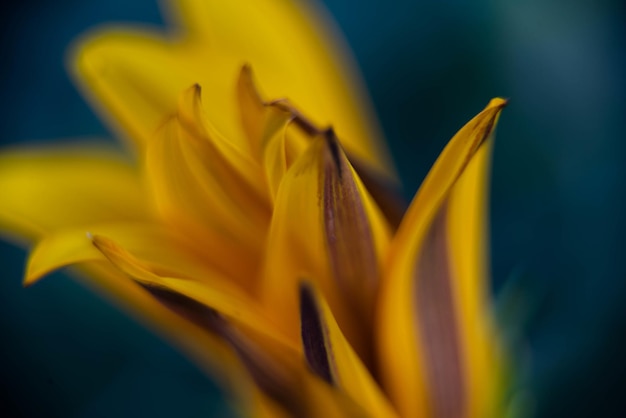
(436, 317)
(315, 340)
(266, 373)
(348, 234)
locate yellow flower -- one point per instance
(270, 247)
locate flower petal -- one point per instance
(162, 249)
(434, 333)
(213, 292)
(325, 225)
(449, 166)
(205, 188)
(260, 120)
(269, 128)
(332, 358)
(135, 76)
(467, 214)
(68, 186)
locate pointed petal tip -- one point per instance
(498, 102)
(104, 245)
(33, 275)
(314, 334)
(304, 289)
(246, 69)
(195, 91)
(332, 144)
(29, 280)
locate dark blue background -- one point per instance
(558, 196)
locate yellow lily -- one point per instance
(269, 246)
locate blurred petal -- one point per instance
(134, 76)
(325, 225)
(433, 321)
(280, 151)
(260, 120)
(332, 358)
(211, 292)
(68, 186)
(163, 250)
(468, 250)
(206, 189)
(273, 139)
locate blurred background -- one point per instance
(557, 208)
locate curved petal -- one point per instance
(468, 247)
(45, 190)
(217, 294)
(260, 120)
(325, 225)
(135, 76)
(449, 166)
(435, 336)
(163, 250)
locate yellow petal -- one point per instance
(435, 337)
(260, 120)
(468, 246)
(135, 76)
(214, 293)
(207, 190)
(449, 166)
(331, 357)
(325, 225)
(162, 249)
(237, 169)
(272, 130)
(49, 189)
(281, 150)
(132, 78)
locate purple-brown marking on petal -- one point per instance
(301, 121)
(436, 318)
(315, 342)
(266, 373)
(349, 238)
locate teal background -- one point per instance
(558, 194)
